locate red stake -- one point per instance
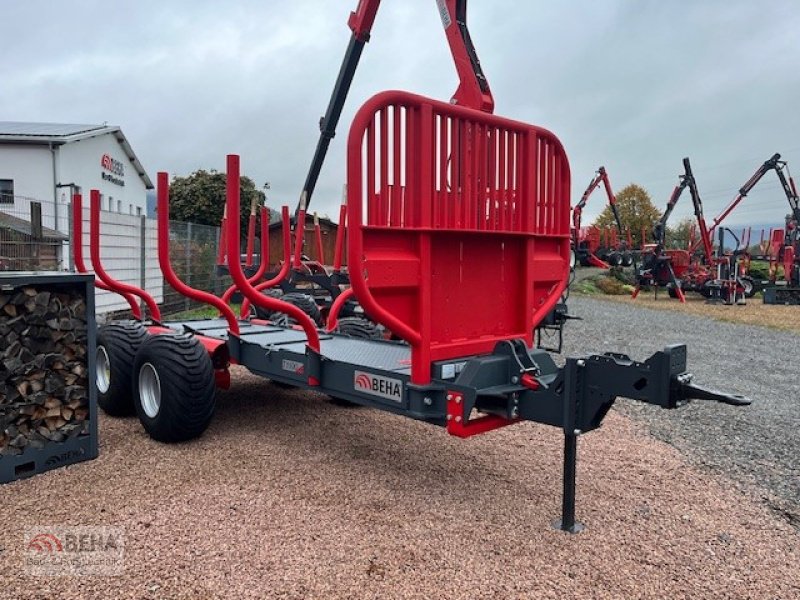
(77, 254)
(318, 235)
(235, 267)
(166, 265)
(94, 248)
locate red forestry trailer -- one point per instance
(613, 250)
(458, 243)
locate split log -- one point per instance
(43, 367)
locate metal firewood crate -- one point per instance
(48, 405)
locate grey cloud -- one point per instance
(631, 85)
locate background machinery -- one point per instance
(591, 247)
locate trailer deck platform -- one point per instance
(374, 354)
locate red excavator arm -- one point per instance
(787, 183)
(600, 176)
(473, 89)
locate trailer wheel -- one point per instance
(748, 286)
(359, 328)
(173, 388)
(627, 259)
(614, 259)
(305, 303)
(117, 344)
(265, 313)
(672, 290)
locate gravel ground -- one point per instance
(759, 445)
(287, 496)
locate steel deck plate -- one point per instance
(389, 356)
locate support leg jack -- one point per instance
(567, 521)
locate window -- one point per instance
(6, 191)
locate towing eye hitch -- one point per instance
(686, 390)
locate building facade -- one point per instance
(45, 162)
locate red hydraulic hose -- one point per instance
(77, 253)
(94, 247)
(166, 265)
(235, 267)
(284, 270)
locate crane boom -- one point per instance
(773, 163)
(600, 176)
(473, 88)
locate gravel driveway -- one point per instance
(759, 446)
(289, 496)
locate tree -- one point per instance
(200, 198)
(636, 211)
(679, 235)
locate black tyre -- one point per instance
(614, 259)
(360, 328)
(305, 303)
(672, 290)
(264, 313)
(117, 345)
(627, 259)
(174, 390)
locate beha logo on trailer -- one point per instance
(115, 170)
(378, 385)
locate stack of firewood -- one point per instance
(44, 394)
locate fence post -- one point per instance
(36, 235)
(215, 274)
(188, 247)
(142, 258)
(70, 240)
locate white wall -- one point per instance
(79, 163)
(31, 168)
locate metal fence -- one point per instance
(193, 253)
(31, 240)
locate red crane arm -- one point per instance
(473, 88)
(600, 176)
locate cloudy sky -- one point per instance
(633, 85)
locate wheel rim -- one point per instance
(102, 369)
(149, 390)
(747, 286)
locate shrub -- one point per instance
(611, 286)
